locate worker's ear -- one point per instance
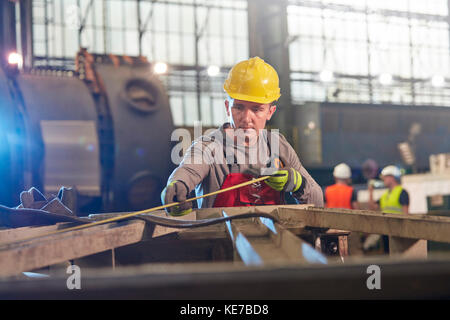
(272, 109)
(227, 107)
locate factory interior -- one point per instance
(102, 103)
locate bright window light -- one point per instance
(213, 71)
(385, 79)
(326, 76)
(311, 125)
(15, 59)
(437, 81)
(160, 67)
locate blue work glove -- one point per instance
(176, 191)
(285, 179)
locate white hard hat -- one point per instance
(342, 171)
(391, 171)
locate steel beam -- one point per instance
(405, 226)
(261, 241)
(48, 250)
(426, 279)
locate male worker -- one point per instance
(252, 88)
(341, 194)
(395, 199)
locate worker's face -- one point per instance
(389, 181)
(248, 115)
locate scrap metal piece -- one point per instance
(36, 210)
(56, 206)
(32, 199)
(68, 197)
(24, 217)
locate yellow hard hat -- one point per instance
(253, 80)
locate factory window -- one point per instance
(189, 35)
(369, 51)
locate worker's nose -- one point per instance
(248, 115)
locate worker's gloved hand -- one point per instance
(176, 191)
(286, 179)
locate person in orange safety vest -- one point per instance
(341, 194)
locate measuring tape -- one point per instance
(136, 213)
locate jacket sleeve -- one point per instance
(310, 192)
(193, 168)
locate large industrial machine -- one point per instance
(103, 130)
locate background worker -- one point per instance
(395, 199)
(341, 194)
(252, 88)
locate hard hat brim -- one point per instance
(388, 175)
(244, 97)
(342, 176)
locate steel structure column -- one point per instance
(448, 17)
(268, 39)
(26, 33)
(7, 29)
(197, 62)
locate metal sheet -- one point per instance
(72, 155)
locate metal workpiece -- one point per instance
(224, 253)
(142, 125)
(264, 240)
(63, 141)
